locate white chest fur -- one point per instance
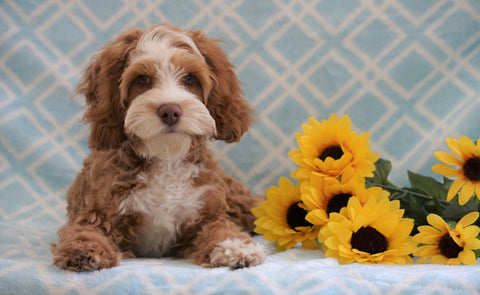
(168, 201)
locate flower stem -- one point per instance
(408, 192)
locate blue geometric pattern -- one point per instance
(407, 71)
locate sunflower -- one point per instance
(467, 160)
(373, 233)
(330, 147)
(442, 245)
(281, 218)
(325, 195)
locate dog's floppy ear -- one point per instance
(100, 85)
(232, 113)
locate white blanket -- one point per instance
(25, 268)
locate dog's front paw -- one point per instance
(237, 253)
(84, 256)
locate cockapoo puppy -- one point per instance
(150, 187)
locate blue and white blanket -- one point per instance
(28, 270)
(406, 71)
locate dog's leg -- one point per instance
(84, 248)
(221, 243)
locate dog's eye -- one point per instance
(189, 79)
(142, 80)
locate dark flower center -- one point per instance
(448, 247)
(471, 169)
(296, 216)
(333, 151)
(337, 202)
(369, 240)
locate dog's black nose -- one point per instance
(170, 113)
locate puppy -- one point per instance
(150, 187)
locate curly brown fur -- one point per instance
(231, 112)
(105, 111)
(150, 186)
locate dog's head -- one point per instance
(160, 88)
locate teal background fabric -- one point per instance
(407, 71)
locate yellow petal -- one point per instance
(403, 230)
(317, 217)
(332, 243)
(425, 250)
(309, 151)
(427, 238)
(473, 243)
(428, 229)
(285, 183)
(300, 173)
(467, 146)
(311, 121)
(468, 219)
(373, 156)
(438, 259)
(438, 222)
(454, 145)
(448, 159)
(455, 187)
(454, 261)
(471, 231)
(340, 231)
(467, 257)
(405, 247)
(446, 170)
(466, 193)
(296, 156)
(344, 251)
(284, 240)
(331, 253)
(344, 124)
(386, 227)
(324, 234)
(310, 244)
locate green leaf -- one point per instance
(447, 183)
(428, 185)
(454, 211)
(380, 175)
(413, 209)
(425, 194)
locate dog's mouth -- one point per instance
(169, 130)
(149, 121)
(165, 146)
